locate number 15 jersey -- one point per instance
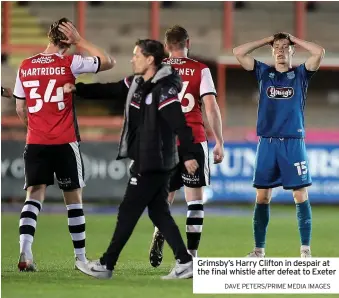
(50, 112)
(197, 82)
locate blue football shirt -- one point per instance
(282, 100)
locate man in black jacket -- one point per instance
(153, 118)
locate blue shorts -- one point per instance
(281, 162)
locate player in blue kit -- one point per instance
(281, 154)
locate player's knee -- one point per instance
(263, 200)
(300, 195)
(264, 196)
(193, 194)
(73, 196)
(36, 192)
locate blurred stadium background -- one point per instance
(214, 28)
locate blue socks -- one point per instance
(260, 222)
(304, 217)
(262, 215)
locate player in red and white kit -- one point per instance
(198, 88)
(52, 143)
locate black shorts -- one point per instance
(201, 177)
(42, 161)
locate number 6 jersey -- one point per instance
(197, 82)
(50, 112)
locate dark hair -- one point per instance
(281, 35)
(55, 36)
(176, 36)
(150, 47)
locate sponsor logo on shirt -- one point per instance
(43, 60)
(174, 61)
(291, 75)
(280, 93)
(93, 60)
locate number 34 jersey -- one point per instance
(51, 112)
(197, 82)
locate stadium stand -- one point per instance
(108, 26)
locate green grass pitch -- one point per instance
(223, 236)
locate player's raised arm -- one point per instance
(242, 52)
(317, 52)
(73, 37)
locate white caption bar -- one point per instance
(266, 275)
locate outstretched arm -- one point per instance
(242, 52)
(111, 91)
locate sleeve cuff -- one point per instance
(187, 157)
(254, 66)
(18, 97)
(208, 93)
(309, 71)
(99, 64)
